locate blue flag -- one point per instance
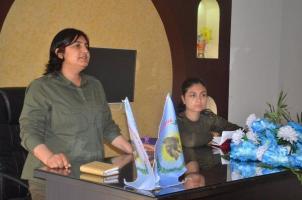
(145, 176)
(169, 158)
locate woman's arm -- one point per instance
(220, 124)
(121, 143)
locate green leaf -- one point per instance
(298, 173)
(299, 118)
(279, 113)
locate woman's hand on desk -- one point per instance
(58, 161)
(50, 159)
(61, 171)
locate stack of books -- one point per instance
(99, 172)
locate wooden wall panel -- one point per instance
(180, 20)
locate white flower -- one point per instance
(252, 136)
(249, 121)
(287, 133)
(237, 136)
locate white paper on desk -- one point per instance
(219, 141)
(224, 136)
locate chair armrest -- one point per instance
(18, 181)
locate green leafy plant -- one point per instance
(280, 112)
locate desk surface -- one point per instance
(210, 177)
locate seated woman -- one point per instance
(195, 122)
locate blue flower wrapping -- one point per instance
(298, 129)
(276, 156)
(295, 126)
(296, 160)
(245, 151)
(276, 147)
(250, 169)
(269, 138)
(260, 125)
(271, 170)
(244, 169)
(265, 131)
(299, 148)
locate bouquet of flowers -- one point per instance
(275, 139)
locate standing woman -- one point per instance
(65, 117)
(195, 122)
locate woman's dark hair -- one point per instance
(63, 39)
(189, 82)
(184, 88)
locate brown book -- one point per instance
(99, 168)
(99, 179)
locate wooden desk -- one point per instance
(218, 183)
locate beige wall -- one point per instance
(126, 24)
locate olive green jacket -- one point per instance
(198, 133)
(67, 119)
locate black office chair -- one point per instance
(12, 154)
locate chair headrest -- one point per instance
(11, 103)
